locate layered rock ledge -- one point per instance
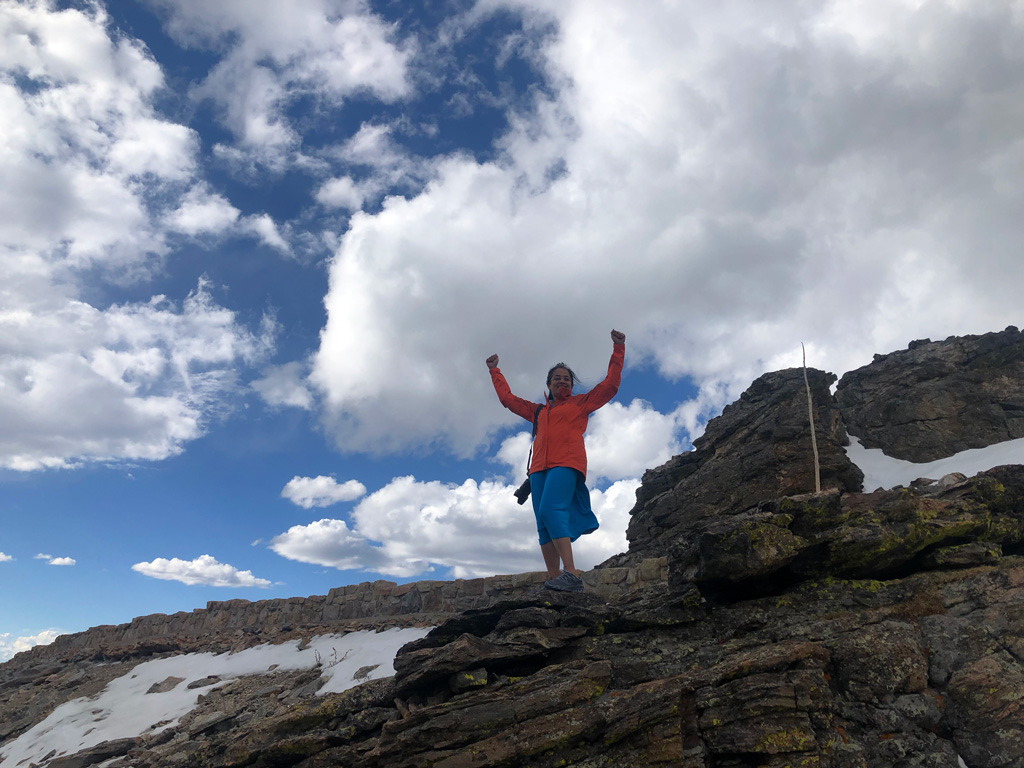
(834, 673)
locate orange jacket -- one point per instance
(561, 424)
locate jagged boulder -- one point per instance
(957, 523)
(937, 398)
(758, 449)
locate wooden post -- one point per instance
(810, 416)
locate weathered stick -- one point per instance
(810, 416)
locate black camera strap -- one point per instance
(523, 492)
(529, 459)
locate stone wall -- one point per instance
(234, 624)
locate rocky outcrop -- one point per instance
(80, 665)
(758, 449)
(832, 673)
(951, 522)
(820, 665)
(937, 398)
(753, 623)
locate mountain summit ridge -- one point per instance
(752, 622)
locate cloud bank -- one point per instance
(720, 182)
(272, 55)
(96, 187)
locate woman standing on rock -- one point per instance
(558, 471)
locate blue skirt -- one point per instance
(561, 504)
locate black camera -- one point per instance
(524, 491)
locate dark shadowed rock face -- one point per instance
(938, 398)
(758, 449)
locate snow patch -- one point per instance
(124, 710)
(881, 471)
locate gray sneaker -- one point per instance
(567, 582)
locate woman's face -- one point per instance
(560, 383)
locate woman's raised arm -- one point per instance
(517, 405)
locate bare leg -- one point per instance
(563, 547)
(550, 559)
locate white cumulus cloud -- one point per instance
(285, 386)
(203, 570)
(624, 440)
(149, 372)
(202, 212)
(266, 229)
(321, 491)
(341, 192)
(331, 543)
(410, 528)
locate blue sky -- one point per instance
(256, 253)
